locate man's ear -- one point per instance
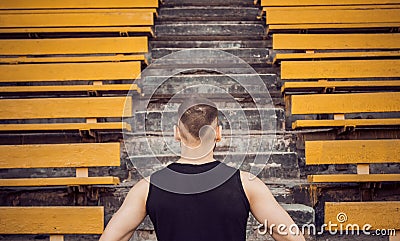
(177, 134)
(218, 134)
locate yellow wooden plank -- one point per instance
(340, 69)
(352, 152)
(69, 88)
(339, 103)
(86, 10)
(66, 4)
(91, 107)
(325, 2)
(58, 181)
(380, 215)
(290, 86)
(346, 178)
(99, 19)
(60, 155)
(317, 7)
(333, 55)
(69, 71)
(327, 16)
(65, 126)
(127, 45)
(342, 123)
(75, 59)
(336, 41)
(123, 30)
(51, 220)
(339, 26)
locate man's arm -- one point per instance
(265, 208)
(129, 216)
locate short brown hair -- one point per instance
(195, 113)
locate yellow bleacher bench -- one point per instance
(322, 46)
(389, 68)
(341, 104)
(322, 86)
(306, 3)
(77, 4)
(299, 19)
(74, 16)
(327, 7)
(89, 108)
(69, 72)
(70, 88)
(54, 221)
(43, 50)
(326, 4)
(382, 215)
(80, 156)
(336, 41)
(43, 75)
(336, 55)
(122, 22)
(71, 59)
(359, 152)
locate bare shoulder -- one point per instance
(141, 188)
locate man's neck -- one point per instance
(202, 160)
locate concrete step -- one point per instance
(169, 67)
(205, 3)
(187, 31)
(290, 190)
(166, 144)
(155, 43)
(234, 84)
(209, 13)
(281, 165)
(250, 55)
(231, 118)
(208, 84)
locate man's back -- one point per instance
(218, 214)
(198, 198)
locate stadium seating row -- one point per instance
(44, 64)
(339, 61)
(119, 16)
(326, 15)
(67, 66)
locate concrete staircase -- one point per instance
(231, 26)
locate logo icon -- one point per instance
(341, 217)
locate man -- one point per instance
(198, 198)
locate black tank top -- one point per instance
(219, 214)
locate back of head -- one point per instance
(195, 113)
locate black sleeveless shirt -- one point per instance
(218, 214)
